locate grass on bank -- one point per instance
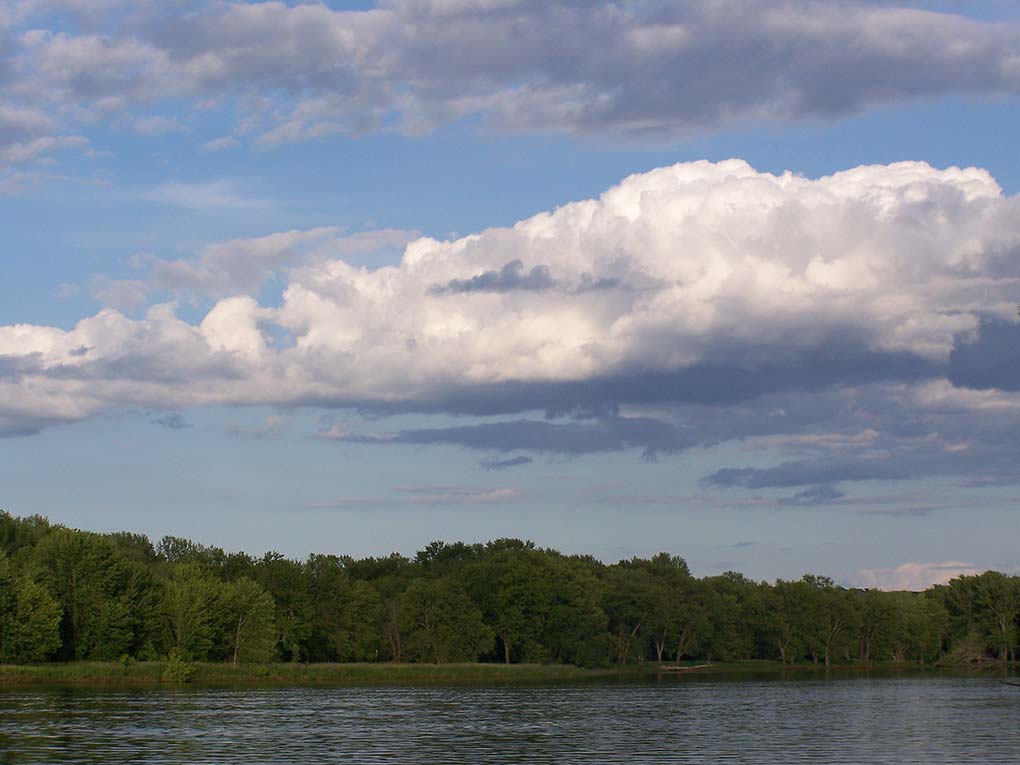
(154, 673)
(290, 674)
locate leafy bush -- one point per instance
(177, 669)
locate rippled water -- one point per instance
(865, 720)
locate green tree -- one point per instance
(535, 601)
(631, 598)
(442, 622)
(29, 618)
(108, 602)
(832, 615)
(918, 627)
(998, 598)
(877, 622)
(669, 590)
(571, 623)
(287, 581)
(786, 617)
(248, 616)
(736, 614)
(192, 599)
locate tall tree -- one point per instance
(832, 614)
(248, 612)
(192, 600)
(444, 625)
(29, 618)
(998, 597)
(107, 600)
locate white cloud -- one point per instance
(243, 265)
(219, 144)
(17, 123)
(151, 126)
(123, 294)
(208, 197)
(31, 149)
(858, 287)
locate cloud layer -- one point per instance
(841, 319)
(655, 69)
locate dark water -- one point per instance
(864, 720)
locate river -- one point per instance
(899, 719)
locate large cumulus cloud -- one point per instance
(863, 323)
(656, 68)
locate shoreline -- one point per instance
(289, 675)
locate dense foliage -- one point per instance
(67, 594)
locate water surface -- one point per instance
(924, 719)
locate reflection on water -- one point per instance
(877, 720)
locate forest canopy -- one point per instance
(67, 594)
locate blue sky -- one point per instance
(353, 277)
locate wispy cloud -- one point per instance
(171, 421)
(219, 144)
(209, 197)
(440, 495)
(271, 426)
(505, 464)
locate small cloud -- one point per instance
(910, 511)
(813, 473)
(335, 432)
(219, 144)
(211, 196)
(816, 495)
(460, 495)
(738, 546)
(125, 294)
(20, 152)
(171, 420)
(271, 426)
(428, 495)
(150, 126)
(513, 462)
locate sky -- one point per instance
(736, 280)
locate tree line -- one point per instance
(67, 594)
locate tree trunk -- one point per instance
(506, 648)
(782, 649)
(392, 629)
(681, 645)
(630, 638)
(237, 638)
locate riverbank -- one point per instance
(152, 673)
(299, 675)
